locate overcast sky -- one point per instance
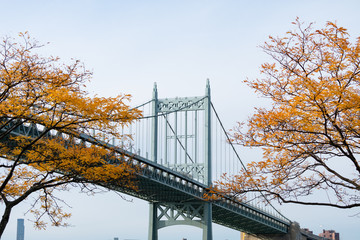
(129, 45)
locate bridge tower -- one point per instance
(181, 134)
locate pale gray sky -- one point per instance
(178, 44)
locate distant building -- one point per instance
(116, 238)
(307, 230)
(330, 234)
(20, 229)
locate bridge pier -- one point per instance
(207, 227)
(153, 222)
(198, 214)
(170, 214)
(294, 233)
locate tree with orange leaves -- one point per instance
(39, 91)
(310, 136)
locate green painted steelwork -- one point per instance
(168, 188)
(203, 171)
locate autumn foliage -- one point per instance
(310, 136)
(36, 90)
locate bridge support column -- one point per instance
(153, 222)
(195, 214)
(207, 227)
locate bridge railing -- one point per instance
(149, 167)
(181, 135)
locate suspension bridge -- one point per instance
(180, 148)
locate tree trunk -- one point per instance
(5, 218)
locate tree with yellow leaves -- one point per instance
(310, 136)
(40, 93)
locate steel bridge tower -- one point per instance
(198, 214)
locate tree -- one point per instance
(40, 91)
(310, 136)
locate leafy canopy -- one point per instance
(310, 135)
(40, 91)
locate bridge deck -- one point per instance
(157, 183)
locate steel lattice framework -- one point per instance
(176, 190)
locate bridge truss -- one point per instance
(178, 159)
